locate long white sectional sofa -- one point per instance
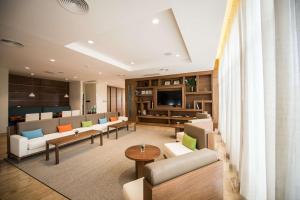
(20, 146)
(198, 128)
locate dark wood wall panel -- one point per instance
(115, 101)
(48, 92)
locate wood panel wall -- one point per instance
(47, 92)
(115, 100)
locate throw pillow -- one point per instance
(64, 128)
(102, 121)
(87, 124)
(33, 134)
(189, 142)
(112, 119)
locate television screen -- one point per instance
(170, 98)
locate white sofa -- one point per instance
(174, 149)
(21, 146)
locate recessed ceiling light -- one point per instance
(155, 21)
(132, 63)
(75, 77)
(100, 73)
(32, 74)
(177, 55)
(168, 54)
(91, 42)
(66, 79)
(52, 60)
(27, 68)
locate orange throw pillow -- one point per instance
(64, 128)
(112, 119)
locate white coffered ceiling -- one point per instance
(126, 42)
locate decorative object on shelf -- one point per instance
(139, 112)
(191, 84)
(143, 92)
(188, 106)
(76, 132)
(167, 82)
(137, 92)
(143, 146)
(176, 82)
(198, 104)
(144, 112)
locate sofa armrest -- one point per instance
(164, 170)
(123, 118)
(18, 145)
(179, 136)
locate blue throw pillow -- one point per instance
(33, 134)
(102, 121)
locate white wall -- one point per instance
(101, 92)
(75, 95)
(3, 99)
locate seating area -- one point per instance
(23, 144)
(149, 100)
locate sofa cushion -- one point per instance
(75, 121)
(197, 133)
(47, 125)
(175, 149)
(52, 136)
(95, 117)
(86, 123)
(164, 170)
(113, 119)
(36, 143)
(102, 120)
(33, 134)
(64, 128)
(189, 142)
(133, 190)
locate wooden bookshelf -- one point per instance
(141, 98)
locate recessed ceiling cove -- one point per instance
(143, 43)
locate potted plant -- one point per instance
(191, 84)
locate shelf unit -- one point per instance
(141, 98)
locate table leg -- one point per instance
(47, 151)
(56, 154)
(139, 168)
(116, 133)
(107, 131)
(92, 139)
(134, 126)
(101, 138)
(127, 127)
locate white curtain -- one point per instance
(260, 99)
(230, 96)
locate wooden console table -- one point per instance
(69, 139)
(120, 125)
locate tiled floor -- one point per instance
(16, 184)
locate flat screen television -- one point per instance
(169, 98)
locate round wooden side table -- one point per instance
(141, 158)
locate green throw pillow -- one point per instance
(87, 124)
(189, 142)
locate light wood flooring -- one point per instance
(15, 184)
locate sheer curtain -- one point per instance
(260, 99)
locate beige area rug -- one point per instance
(90, 171)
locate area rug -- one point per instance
(90, 171)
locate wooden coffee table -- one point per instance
(120, 125)
(142, 158)
(69, 139)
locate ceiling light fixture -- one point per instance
(66, 88)
(100, 73)
(52, 60)
(75, 6)
(31, 94)
(66, 79)
(132, 63)
(27, 68)
(75, 77)
(155, 21)
(177, 55)
(91, 42)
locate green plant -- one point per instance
(190, 82)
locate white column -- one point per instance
(3, 99)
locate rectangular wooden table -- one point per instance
(69, 139)
(120, 125)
